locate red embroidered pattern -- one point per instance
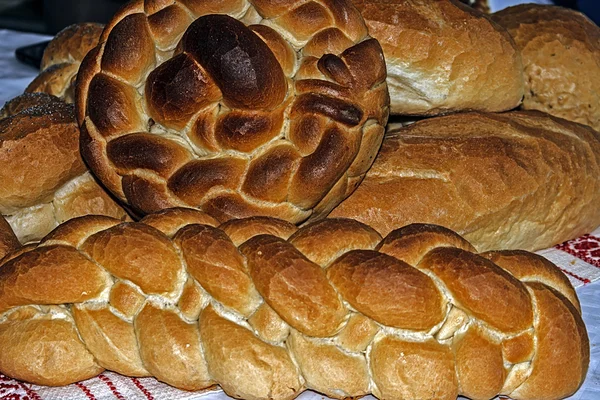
(85, 390)
(584, 280)
(586, 248)
(146, 392)
(111, 386)
(11, 389)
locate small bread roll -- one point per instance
(62, 58)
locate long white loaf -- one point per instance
(517, 180)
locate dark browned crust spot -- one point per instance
(337, 109)
(245, 132)
(268, 177)
(111, 106)
(196, 178)
(147, 151)
(243, 66)
(178, 89)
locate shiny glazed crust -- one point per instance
(268, 108)
(266, 310)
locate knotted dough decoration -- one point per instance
(236, 107)
(266, 310)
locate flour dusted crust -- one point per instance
(269, 108)
(561, 59)
(332, 307)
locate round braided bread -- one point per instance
(268, 108)
(266, 310)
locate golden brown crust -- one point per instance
(324, 241)
(560, 338)
(75, 231)
(560, 48)
(215, 263)
(62, 58)
(289, 134)
(45, 181)
(523, 264)
(111, 339)
(391, 285)
(518, 180)
(479, 364)
(23, 281)
(57, 80)
(32, 137)
(465, 275)
(229, 346)
(278, 270)
(443, 56)
(328, 370)
(413, 370)
(27, 338)
(172, 220)
(170, 348)
(71, 44)
(240, 230)
(264, 322)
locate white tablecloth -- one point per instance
(15, 76)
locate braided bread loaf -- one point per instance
(265, 310)
(44, 181)
(62, 58)
(270, 107)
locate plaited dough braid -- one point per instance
(269, 108)
(266, 310)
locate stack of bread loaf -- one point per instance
(44, 179)
(230, 123)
